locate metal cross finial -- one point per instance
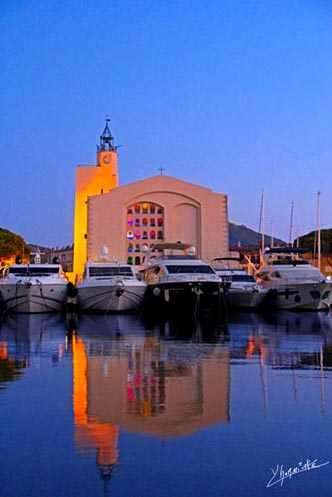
(107, 119)
(161, 169)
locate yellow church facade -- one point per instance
(129, 219)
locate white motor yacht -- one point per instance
(241, 291)
(110, 286)
(34, 288)
(292, 282)
(178, 280)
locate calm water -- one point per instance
(114, 406)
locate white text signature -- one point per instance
(279, 474)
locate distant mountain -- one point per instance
(240, 235)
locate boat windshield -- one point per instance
(179, 268)
(110, 271)
(33, 271)
(243, 277)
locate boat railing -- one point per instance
(189, 277)
(292, 281)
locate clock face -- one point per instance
(107, 158)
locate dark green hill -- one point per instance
(310, 241)
(243, 236)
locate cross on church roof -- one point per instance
(161, 169)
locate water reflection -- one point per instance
(129, 376)
(174, 379)
(27, 337)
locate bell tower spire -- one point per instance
(106, 139)
(107, 151)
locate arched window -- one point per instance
(137, 260)
(137, 247)
(130, 221)
(152, 222)
(145, 235)
(160, 221)
(129, 260)
(160, 235)
(137, 222)
(137, 234)
(130, 247)
(160, 210)
(152, 235)
(130, 235)
(137, 208)
(129, 211)
(145, 221)
(145, 208)
(152, 209)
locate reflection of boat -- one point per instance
(108, 325)
(176, 278)
(240, 288)
(33, 334)
(110, 287)
(292, 282)
(34, 288)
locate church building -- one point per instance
(129, 219)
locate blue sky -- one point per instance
(233, 95)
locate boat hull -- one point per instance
(183, 297)
(126, 296)
(300, 296)
(33, 297)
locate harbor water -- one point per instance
(121, 406)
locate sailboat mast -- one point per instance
(291, 225)
(272, 233)
(318, 231)
(262, 220)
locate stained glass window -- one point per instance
(145, 217)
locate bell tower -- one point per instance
(92, 180)
(107, 152)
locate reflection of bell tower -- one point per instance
(92, 180)
(89, 431)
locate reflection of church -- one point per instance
(129, 218)
(139, 384)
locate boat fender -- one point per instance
(18, 260)
(119, 288)
(71, 290)
(156, 291)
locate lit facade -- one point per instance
(92, 180)
(128, 219)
